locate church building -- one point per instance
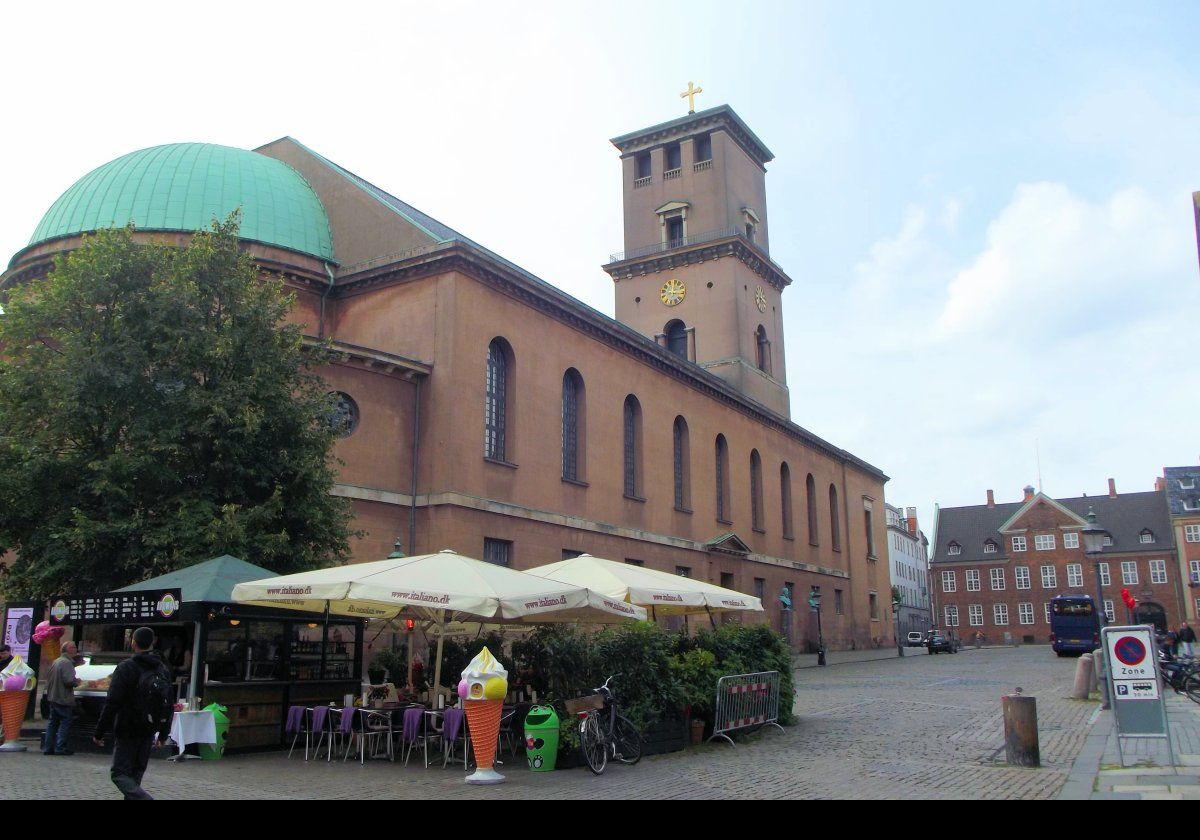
(488, 412)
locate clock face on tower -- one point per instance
(673, 292)
(760, 299)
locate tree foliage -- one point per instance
(157, 410)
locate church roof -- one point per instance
(183, 187)
(721, 116)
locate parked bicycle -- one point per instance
(1181, 674)
(603, 732)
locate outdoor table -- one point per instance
(193, 728)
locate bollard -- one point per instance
(1084, 671)
(1101, 677)
(1020, 730)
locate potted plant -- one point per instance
(696, 673)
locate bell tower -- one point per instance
(696, 274)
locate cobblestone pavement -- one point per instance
(918, 727)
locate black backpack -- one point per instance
(152, 699)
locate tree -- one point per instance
(156, 410)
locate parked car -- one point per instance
(915, 639)
(937, 643)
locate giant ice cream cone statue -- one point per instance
(483, 688)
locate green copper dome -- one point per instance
(183, 186)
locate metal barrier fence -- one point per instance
(746, 700)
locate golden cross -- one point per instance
(690, 96)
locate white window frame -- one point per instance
(1194, 571)
(949, 582)
(1105, 575)
(999, 584)
(1047, 606)
(1045, 542)
(1146, 537)
(1022, 575)
(1000, 614)
(951, 615)
(954, 549)
(1158, 571)
(1129, 572)
(1191, 533)
(1074, 574)
(989, 547)
(975, 614)
(972, 580)
(1071, 539)
(1049, 577)
(1025, 613)
(1191, 484)
(1109, 616)
(1018, 544)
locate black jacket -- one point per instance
(1187, 634)
(122, 691)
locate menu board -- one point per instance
(18, 628)
(118, 607)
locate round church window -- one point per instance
(344, 417)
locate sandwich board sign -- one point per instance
(1135, 686)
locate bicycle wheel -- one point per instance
(1191, 687)
(627, 741)
(595, 750)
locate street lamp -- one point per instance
(397, 551)
(1093, 545)
(896, 602)
(814, 601)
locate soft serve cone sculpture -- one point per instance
(483, 688)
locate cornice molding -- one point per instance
(731, 246)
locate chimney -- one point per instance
(911, 515)
(1160, 484)
(991, 499)
(1028, 492)
(1112, 489)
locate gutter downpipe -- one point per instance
(328, 289)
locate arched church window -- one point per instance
(344, 415)
(785, 497)
(834, 523)
(764, 349)
(633, 447)
(495, 408)
(810, 493)
(682, 464)
(756, 494)
(722, 476)
(573, 421)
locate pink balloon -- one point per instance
(462, 689)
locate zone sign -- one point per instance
(1129, 655)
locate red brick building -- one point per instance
(997, 566)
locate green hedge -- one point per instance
(658, 672)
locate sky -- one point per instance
(985, 208)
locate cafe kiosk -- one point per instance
(255, 661)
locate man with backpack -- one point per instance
(139, 711)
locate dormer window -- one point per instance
(954, 548)
(1146, 536)
(989, 547)
(1108, 540)
(1187, 484)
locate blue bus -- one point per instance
(1074, 625)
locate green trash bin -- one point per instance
(211, 752)
(541, 738)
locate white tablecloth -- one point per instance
(193, 728)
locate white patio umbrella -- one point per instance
(660, 591)
(437, 588)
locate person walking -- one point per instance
(1186, 640)
(138, 711)
(60, 694)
